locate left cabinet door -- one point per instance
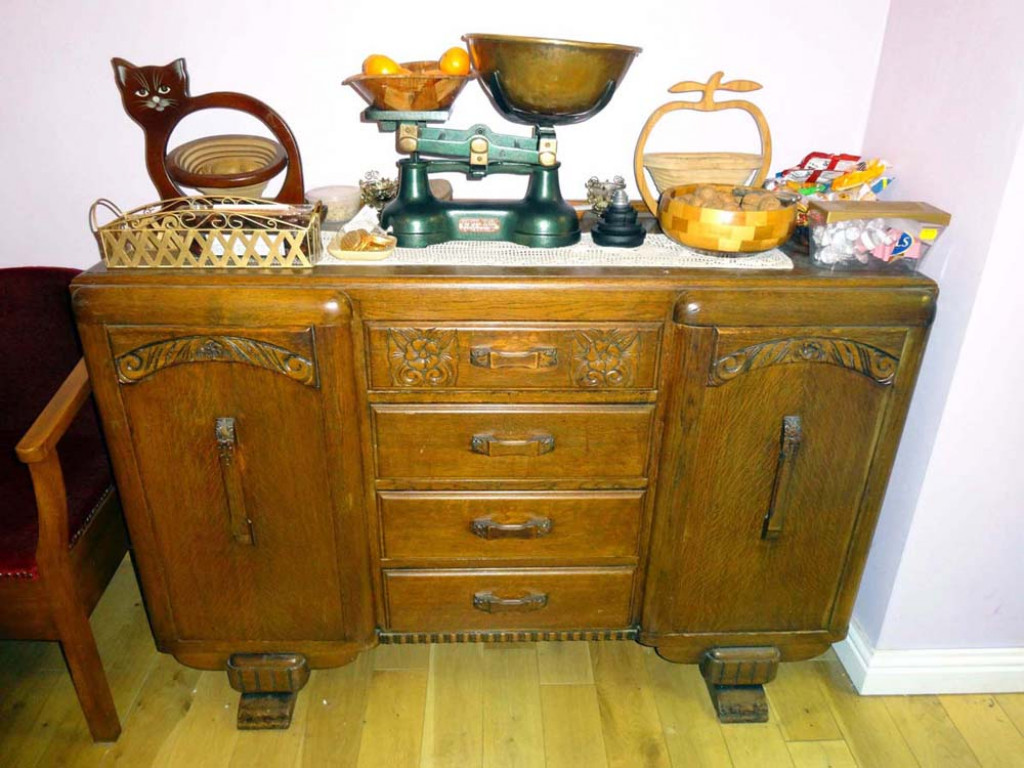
(245, 474)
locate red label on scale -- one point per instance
(479, 225)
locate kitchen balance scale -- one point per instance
(532, 81)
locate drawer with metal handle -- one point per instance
(485, 356)
(526, 598)
(512, 441)
(420, 527)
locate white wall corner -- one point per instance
(945, 670)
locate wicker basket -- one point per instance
(672, 169)
(210, 232)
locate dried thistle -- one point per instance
(377, 191)
(600, 193)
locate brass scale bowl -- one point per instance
(542, 81)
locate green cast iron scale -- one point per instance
(531, 81)
(542, 219)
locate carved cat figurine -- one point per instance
(157, 98)
(146, 92)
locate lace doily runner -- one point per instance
(657, 251)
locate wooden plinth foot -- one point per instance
(269, 684)
(735, 678)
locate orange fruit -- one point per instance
(379, 64)
(454, 61)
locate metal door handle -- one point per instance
(791, 439)
(491, 445)
(231, 473)
(534, 359)
(533, 528)
(488, 602)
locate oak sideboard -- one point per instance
(313, 462)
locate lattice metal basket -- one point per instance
(210, 232)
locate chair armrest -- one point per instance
(49, 427)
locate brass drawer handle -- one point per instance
(491, 445)
(791, 439)
(231, 473)
(488, 602)
(533, 359)
(533, 528)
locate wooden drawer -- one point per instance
(496, 442)
(577, 524)
(483, 356)
(568, 598)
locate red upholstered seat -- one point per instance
(54, 469)
(38, 349)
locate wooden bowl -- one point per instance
(427, 89)
(711, 229)
(673, 169)
(232, 164)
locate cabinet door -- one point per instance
(229, 431)
(772, 437)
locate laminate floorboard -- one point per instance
(524, 705)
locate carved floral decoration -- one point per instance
(605, 358)
(422, 357)
(877, 364)
(141, 362)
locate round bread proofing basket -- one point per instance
(673, 169)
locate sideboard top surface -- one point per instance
(803, 274)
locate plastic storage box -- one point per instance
(873, 235)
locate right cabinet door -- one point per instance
(778, 444)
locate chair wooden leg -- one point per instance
(66, 605)
(87, 673)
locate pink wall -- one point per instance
(949, 109)
(961, 579)
(66, 140)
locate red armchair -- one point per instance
(61, 531)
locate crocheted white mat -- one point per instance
(656, 251)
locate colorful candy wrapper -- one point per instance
(826, 177)
(873, 234)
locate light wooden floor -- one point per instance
(533, 704)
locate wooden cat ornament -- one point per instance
(157, 98)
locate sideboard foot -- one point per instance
(269, 684)
(735, 678)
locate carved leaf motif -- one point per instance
(144, 361)
(604, 358)
(422, 357)
(713, 84)
(877, 364)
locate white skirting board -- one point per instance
(894, 673)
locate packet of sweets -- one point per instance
(873, 234)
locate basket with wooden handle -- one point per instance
(671, 169)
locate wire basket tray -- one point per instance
(210, 232)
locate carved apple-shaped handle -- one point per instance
(707, 103)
